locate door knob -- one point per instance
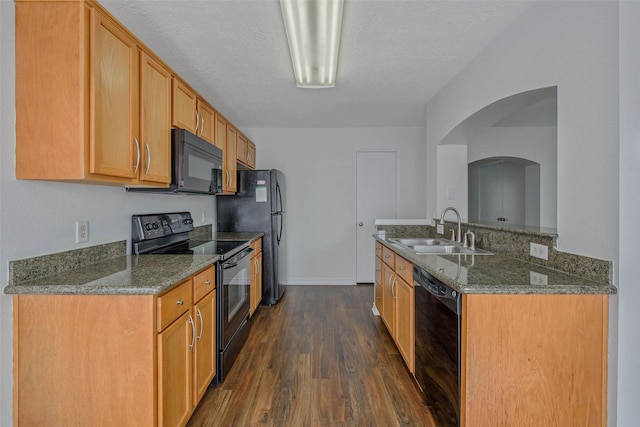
(360, 224)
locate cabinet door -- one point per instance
(241, 149)
(155, 120)
(175, 345)
(185, 106)
(206, 123)
(205, 348)
(388, 303)
(229, 163)
(378, 285)
(256, 282)
(404, 322)
(251, 155)
(221, 134)
(114, 95)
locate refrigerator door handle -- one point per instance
(280, 223)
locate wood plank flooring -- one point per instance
(317, 358)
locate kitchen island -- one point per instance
(530, 346)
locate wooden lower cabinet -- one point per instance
(405, 322)
(255, 295)
(525, 360)
(377, 289)
(175, 345)
(397, 301)
(537, 360)
(140, 360)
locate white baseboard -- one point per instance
(375, 310)
(324, 281)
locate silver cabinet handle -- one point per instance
(207, 282)
(197, 120)
(135, 170)
(146, 171)
(193, 332)
(257, 264)
(201, 124)
(393, 287)
(199, 314)
(180, 302)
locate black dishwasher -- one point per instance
(438, 332)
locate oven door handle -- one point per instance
(227, 265)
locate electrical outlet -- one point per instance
(539, 251)
(203, 217)
(440, 228)
(537, 278)
(82, 231)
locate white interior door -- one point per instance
(376, 198)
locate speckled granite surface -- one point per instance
(515, 243)
(107, 270)
(127, 275)
(497, 274)
(236, 236)
(46, 265)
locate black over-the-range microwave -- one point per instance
(196, 166)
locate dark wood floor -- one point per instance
(317, 358)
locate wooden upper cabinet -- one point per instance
(185, 106)
(206, 122)
(78, 97)
(155, 121)
(226, 135)
(251, 155)
(229, 161)
(220, 132)
(191, 112)
(114, 90)
(242, 145)
(245, 152)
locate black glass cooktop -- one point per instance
(203, 247)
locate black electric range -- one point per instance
(168, 234)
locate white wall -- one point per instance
(628, 341)
(453, 177)
(319, 169)
(39, 217)
(574, 46)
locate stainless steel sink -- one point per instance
(420, 242)
(436, 246)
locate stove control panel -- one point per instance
(153, 226)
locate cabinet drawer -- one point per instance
(174, 303)
(404, 269)
(203, 283)
(379, 250)
(257, 246)
(389, 257)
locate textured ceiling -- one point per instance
(394, 56)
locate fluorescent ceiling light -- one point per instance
(313, 31)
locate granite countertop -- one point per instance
(120, 275)
(233, 236)
(497, 274)
(127, 275)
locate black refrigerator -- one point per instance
(259, 206)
